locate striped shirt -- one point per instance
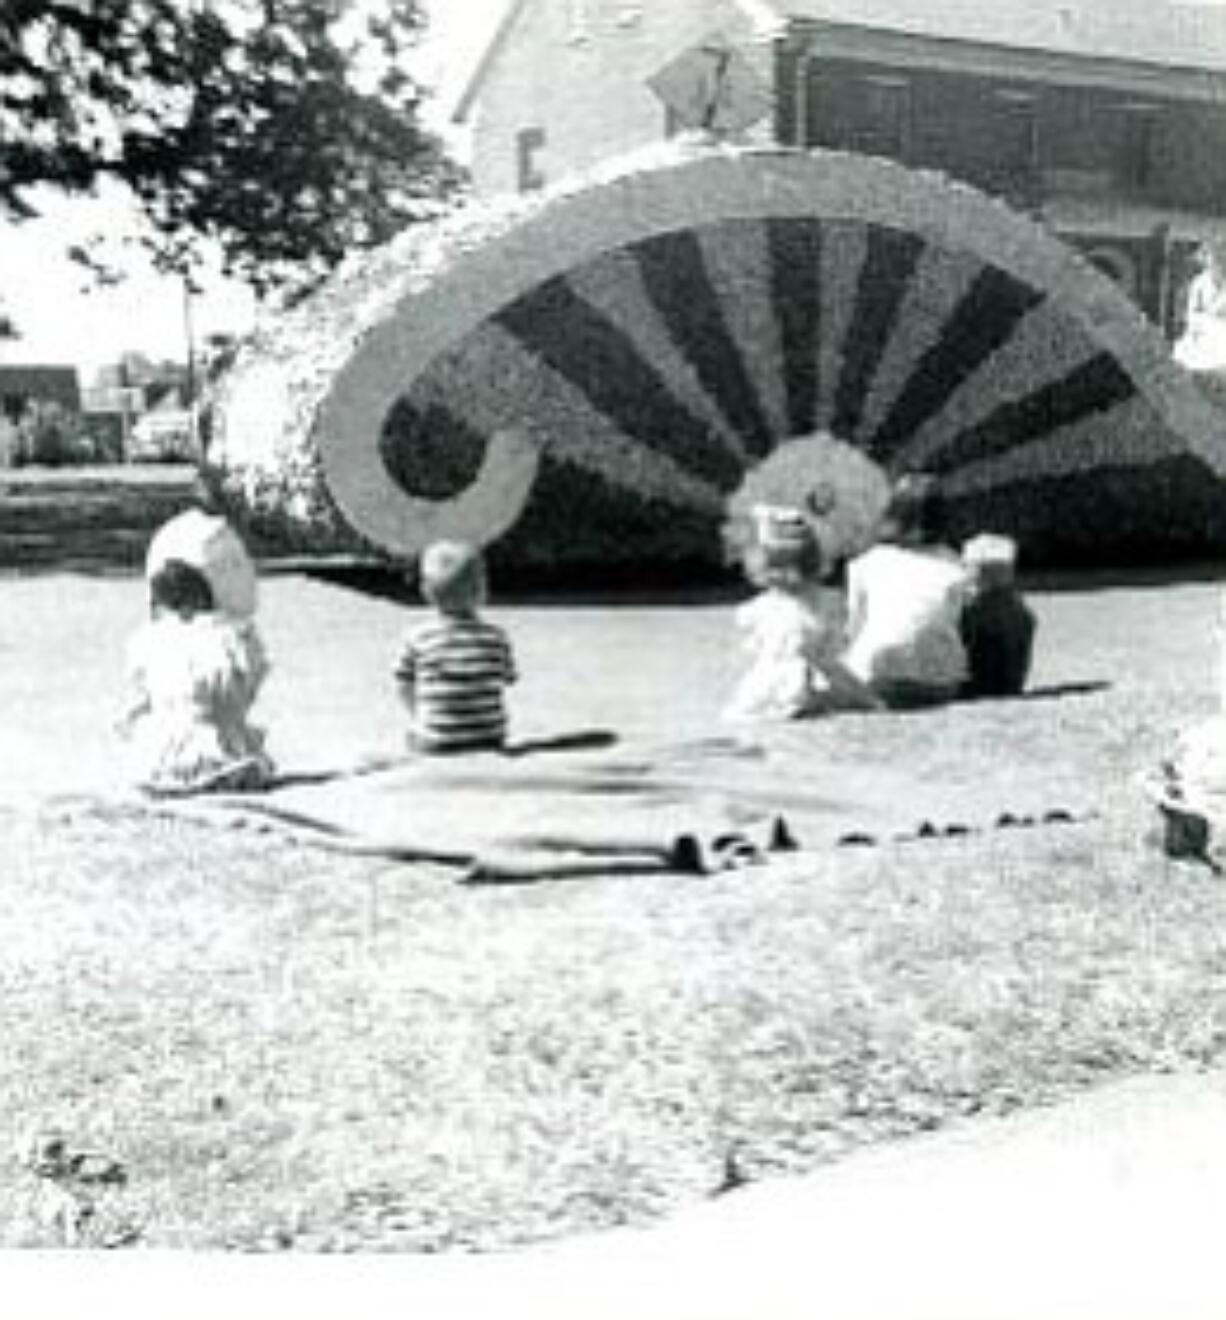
(453, 670)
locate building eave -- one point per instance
(472, 88)
(1087, 218)
(1019, 63)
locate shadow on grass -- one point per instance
(581, 740)
(1052, 691)
(576, 740)
(1060, 581)
(663, 586)
(703, 584)
(1047, 692)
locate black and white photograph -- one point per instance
(613, 659)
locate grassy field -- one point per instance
(217, 1039)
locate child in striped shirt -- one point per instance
(455, 666)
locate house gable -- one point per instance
(760, 14)
(570, 82)
(503, 33)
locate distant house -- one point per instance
(110, 412)
(1105, 119)
(166, 429)
(114, 400)
(20, 386)
(141, 414)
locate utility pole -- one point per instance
(190, 384)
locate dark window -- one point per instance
(1015, 134)
(881, 118)
(528, 142)
(852, 110)
(1136, 147)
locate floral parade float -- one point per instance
(612, 371)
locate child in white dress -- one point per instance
(790, 631)
(193, 673)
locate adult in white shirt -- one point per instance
(905, 599)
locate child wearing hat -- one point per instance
(997, 625)
(194, 671)
(790, 630)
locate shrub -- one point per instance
(50, 435)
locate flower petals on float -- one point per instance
(670, 325)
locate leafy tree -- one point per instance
(51, 435)
(285, 131)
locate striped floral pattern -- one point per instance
(667, 330)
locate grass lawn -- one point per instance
(259, 1045)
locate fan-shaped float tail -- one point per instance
(661, 329)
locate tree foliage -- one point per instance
(286, 131)
(50, 435)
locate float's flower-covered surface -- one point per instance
(656, 331)
(834, 486)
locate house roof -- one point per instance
(510, 16)
(1185, 34)
(22, 375)
(39, 380)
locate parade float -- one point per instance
(600, 376)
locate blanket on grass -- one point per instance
(700, 807)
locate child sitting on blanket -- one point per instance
(455, 667)
(905, 598)
(997, 624)
(193, 673)
(790, 630)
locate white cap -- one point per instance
(990, 549)
(210, 545)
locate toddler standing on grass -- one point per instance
(455, 666)
(790, 630)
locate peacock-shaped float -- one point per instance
(605, 373)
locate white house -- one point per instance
(564, 83)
